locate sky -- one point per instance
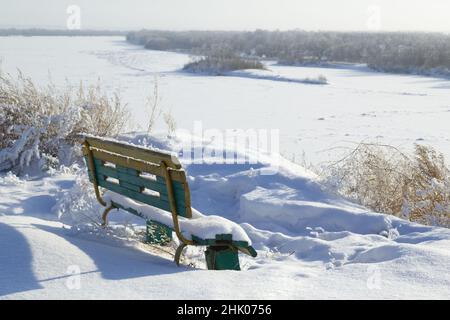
(341, 15)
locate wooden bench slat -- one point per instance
(134, 152)
(157, 185)
(138, 181)
(180, 202)
(177, 175)
(128, 171)
(135, 183)
(130, 186)
(147, 199)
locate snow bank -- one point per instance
(305, 237)
(287, 212)
(10, 179)
(262, 74)
(290, 201)
(272, 76)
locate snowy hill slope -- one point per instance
(311, 244)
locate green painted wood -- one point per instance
(179, 194)
(222, 258)
(147, 199)
(224, 237)
(158, 185)
(129, 179)
(219, 241)
(128, 171)
(141, 197)
(242, 244)
(158, 233)
(135, 180)
(130, 186)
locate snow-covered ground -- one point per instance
(310, 243)
(356, 105)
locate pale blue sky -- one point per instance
(422, 15)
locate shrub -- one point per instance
(40, 125)
(320, 79)
(427, 199)
(384, 179)
(218, 65)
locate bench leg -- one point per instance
(105, 215)
(179, 252)
(158, 233)
(222, 258)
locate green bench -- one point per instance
(139, 178)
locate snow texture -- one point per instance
(311, 244)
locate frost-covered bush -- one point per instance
(384, 179)
(79, 205)
(320, 79)
(78, 208)
(427, 197)
(218, 65)
(219, 59)
(40, 125)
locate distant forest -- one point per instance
(400, 52)
(58, 32)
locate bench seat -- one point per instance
(203, 230)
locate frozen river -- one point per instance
(356, 105)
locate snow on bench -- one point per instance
(201, 226)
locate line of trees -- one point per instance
(58, 32)
(409, 52)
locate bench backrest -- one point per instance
(136, 173)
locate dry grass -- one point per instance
(46, 119)
(383, 178)
(155, 109)
(428, 193)
(153, 105)
(170, 122)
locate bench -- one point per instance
(152, 185)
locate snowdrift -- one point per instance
(311, 244)
(263, 75)
(288, 211)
